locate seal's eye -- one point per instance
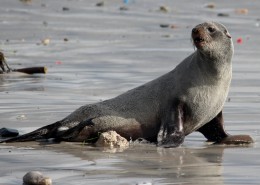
(211, 29)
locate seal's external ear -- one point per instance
(227, 34)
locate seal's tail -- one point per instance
(41, 133)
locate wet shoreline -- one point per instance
(96, 53)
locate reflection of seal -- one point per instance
(188, 98)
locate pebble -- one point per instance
(112, 140)
(46, 41)
(26, 1)
(174, 26)
(123, 8)
(164, 9)
(21, 117)
(164, 25)
(144, 183)
(223, 15)
(36, 178)
(8, 132)
(210, 5)
(45, 23)
(65, 8)
(242, 11)
(102, 3)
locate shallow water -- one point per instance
(108, 52)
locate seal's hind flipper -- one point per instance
(214, 131)
(73, 133)
(41, 133)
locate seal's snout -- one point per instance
(198, 37)
(195, 31)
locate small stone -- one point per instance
(21, 117)
(223, 15)
(210, 5)
(164, 9)
(36, 178)
(26, 1)
(66, 39)
(112, 140)
(123, 8)
(144, 183)
(164, 25)
(242, 11)
(45, 23)
(102, 3)
(173, 26)
(8, 132)
(46, 41)
(65, 8)
(166, 36)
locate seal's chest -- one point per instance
(204, 103)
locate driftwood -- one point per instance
(30, 70)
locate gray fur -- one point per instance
(201, 82)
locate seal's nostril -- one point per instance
(194, 30)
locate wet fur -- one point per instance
(200, 83)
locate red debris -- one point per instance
(239, 40)
(58, 62)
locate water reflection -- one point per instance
(21, 82)
(75, 163)
(142, 163)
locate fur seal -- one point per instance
(165, 110)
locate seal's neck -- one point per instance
(215, 64)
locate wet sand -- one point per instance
(107, 52)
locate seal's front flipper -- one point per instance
(171, 133)
(214, 131)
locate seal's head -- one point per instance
(212, 38)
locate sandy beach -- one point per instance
(97, 52)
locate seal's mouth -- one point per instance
(198, 41)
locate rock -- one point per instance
(123, 8)
(210, 5)
(242, 11)
(173, 26)
(102, 3)
(36, 178)
(223, 15)
(112, 139)
(21, 117)
(46, 41)
(164, 25)
(26, 1)
(164, 9)
(8, 132)
(65, 8)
